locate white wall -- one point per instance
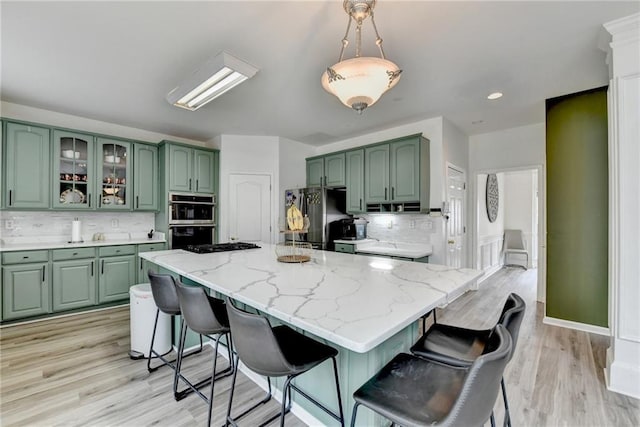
(519, 197)
(489, 235)
(52, 118)
(241, 154)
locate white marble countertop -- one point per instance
(399, 249)
(353, 301)
(11, 244)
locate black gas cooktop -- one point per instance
(220, 247)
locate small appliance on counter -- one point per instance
(220, 247)
(348, 229)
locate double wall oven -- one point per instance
(191, 219)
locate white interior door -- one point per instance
(456, 229)
(250, 208)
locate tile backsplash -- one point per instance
(49, 224)
(408, 228)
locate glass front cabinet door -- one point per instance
(73, 170)
(114, 163)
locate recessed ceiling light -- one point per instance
(494, 95)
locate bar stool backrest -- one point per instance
(164, 292)
(256, 344)
(197, 310)
(511, 317)
(482, 384)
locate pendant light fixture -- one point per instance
(360, 81)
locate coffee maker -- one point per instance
(348, 229)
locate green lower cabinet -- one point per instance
(74, 284)
(25, 290)
(117, 274)
(143, 265)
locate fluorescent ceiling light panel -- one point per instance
(218, 75)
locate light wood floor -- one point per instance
(75, 371)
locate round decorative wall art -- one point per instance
(493, 197)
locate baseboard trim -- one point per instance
(592, 329)
(61, 315)
(489, 272)
(620, 377)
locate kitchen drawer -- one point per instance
(151, 247)
(117, 250)
(345, 248)
(22, 257)
(73, 253)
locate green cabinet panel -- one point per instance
(315, 172)
(145, 179)
(113, 159)
(74, 284)
(577, 208)
(73, 174)
(405, 170)
(376, 167)
(25, 290)
(203, 171)
(73, 253)
(345, 248)
(355, 181)
(23, 257)
(334, 170)
(106, 251)
(143, 265)
(27, 167)
(180, 159)
(117, 274)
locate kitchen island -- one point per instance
(366, 307)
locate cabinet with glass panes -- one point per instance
(114, 162)
(73, 172)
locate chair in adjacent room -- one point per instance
(277, 351)
(206, 316)
(514, 244)
(460, 347)
(165, 296)
(413, 391)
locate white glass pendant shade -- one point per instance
(360, 82)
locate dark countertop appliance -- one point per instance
(220, 247)
(348, 229)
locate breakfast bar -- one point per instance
(366, 307)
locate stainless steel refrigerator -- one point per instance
(322, 206)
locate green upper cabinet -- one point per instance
(145, 179)
(180, 165)
(355, 181)
(404, 170)
(203, 171)
(191, 170)
(73, 170)
(326, 171)
(27, 173)
(113, 159)
(376, 181)
(315, 172)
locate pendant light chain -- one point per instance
(378, 38)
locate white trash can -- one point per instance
(142, 314)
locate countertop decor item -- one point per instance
(493, 197)
(76, 230)
(360, 81)
(293, 252)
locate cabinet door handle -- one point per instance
(10, 194)
(92, 268)
(393, 192)
(385, 193)
(99, 201)
(137, 202)
(197, 184)
(360, 204)
(43, 273)
(102, 267)
(325, 180)
(140, 264)
(89, 199)
(189, 183)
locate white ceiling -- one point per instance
(116, 61)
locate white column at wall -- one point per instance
(623, 357)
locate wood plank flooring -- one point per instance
(75, 371)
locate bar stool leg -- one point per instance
(354, 413)
(153, 338)
(183, 336)
(507, 415)
(335, 374)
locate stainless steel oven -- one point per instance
(191, 219)
(190, 208)
(181, 236)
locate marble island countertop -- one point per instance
(399, 249)
(10, 244)
(354, 301)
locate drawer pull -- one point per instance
(75, 253)
(117, 251)
(25, 257)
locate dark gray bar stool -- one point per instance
(461, 347)
(206, 316)
(412, 391)
(165, 296)
(277, 352)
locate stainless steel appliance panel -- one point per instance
(187, 208)
(181, 236)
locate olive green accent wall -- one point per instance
(577, 208)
